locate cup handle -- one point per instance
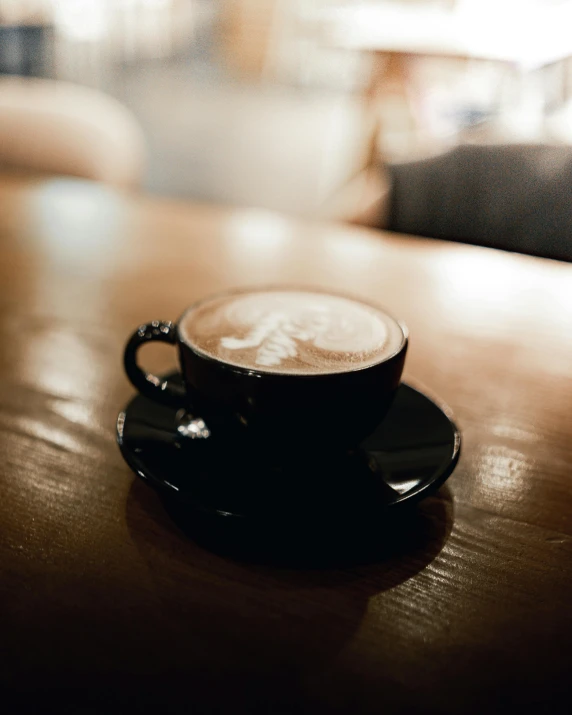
(149, 385)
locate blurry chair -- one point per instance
(512, 197)
(54, 127)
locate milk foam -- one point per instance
(290, 331)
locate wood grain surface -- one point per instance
(106, 606)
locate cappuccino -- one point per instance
(289, 331)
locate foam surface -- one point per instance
(291, 331)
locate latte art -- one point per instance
(278, 326)
(291, 332)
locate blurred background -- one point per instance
(278, 103)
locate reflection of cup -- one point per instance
(294, 366)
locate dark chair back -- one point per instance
(515, 197)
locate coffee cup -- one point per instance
(285, 366)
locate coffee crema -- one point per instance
(291, 332)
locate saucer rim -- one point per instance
(421, 491)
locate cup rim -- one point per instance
(270, 374)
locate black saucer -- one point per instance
(411, 454)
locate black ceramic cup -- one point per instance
(334, 411)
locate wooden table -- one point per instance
(106, 607)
